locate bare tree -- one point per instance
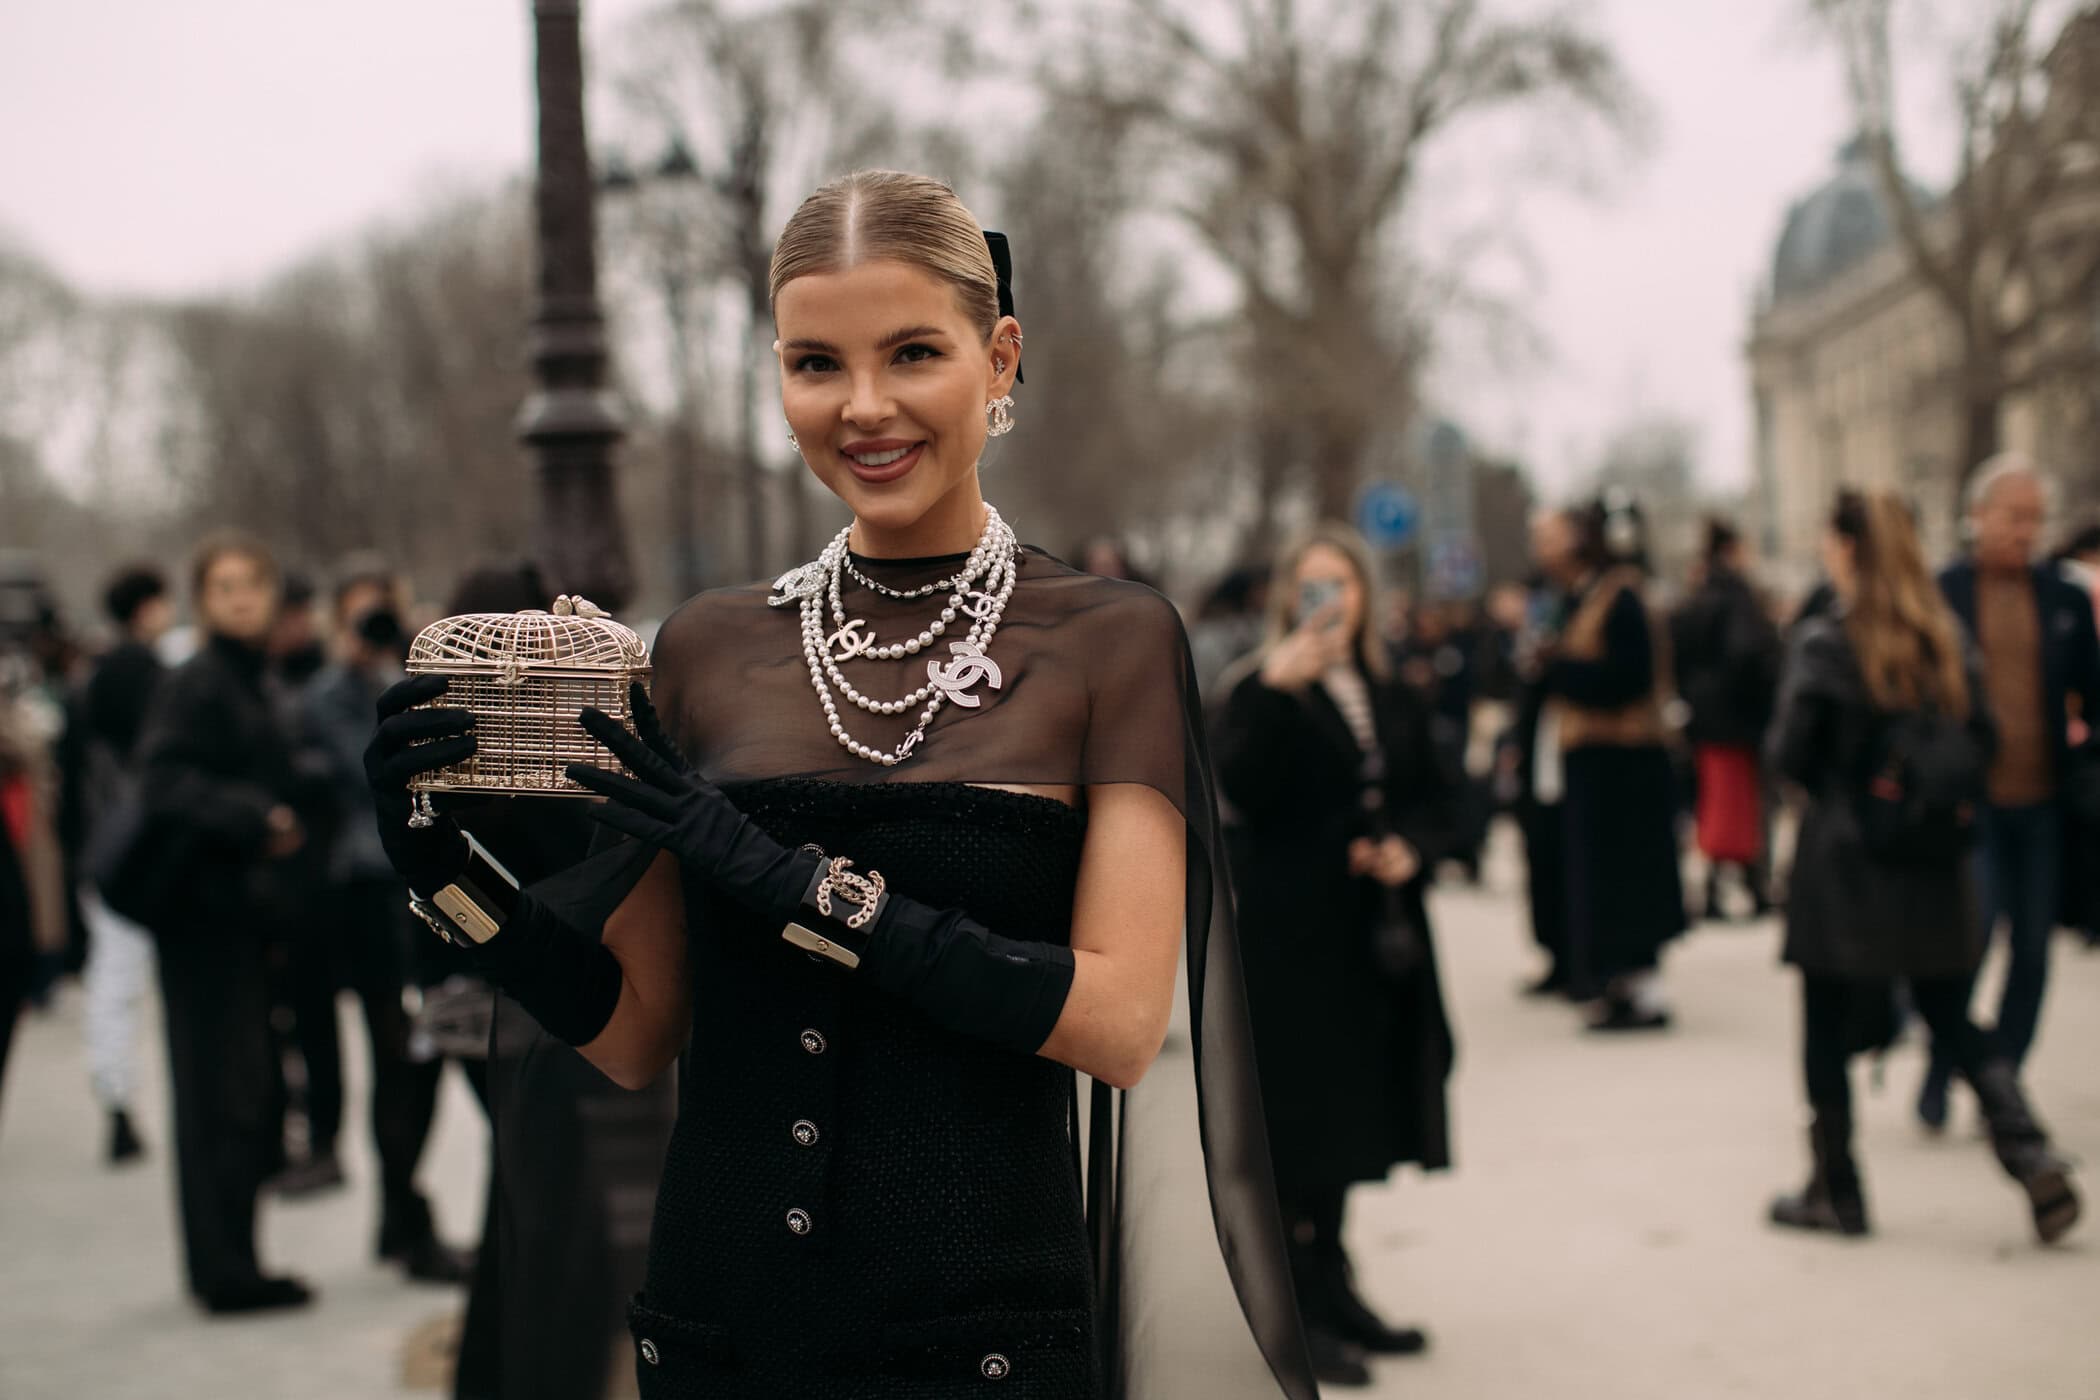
(2012, 252)
(1293, 135)
(1124, 398)
(365, 398)
(762, 105)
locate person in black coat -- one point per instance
(1726, 652)
(1859, 915)
(1341, 803)
(1601, 753)
(218, 794)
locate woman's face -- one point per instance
(1325, 569)
(238, 598)
(884, 382)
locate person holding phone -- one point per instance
(1341, 805)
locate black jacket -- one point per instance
(1727, 653)
(1847, 914)
(214, 762)
(2070, 648)
(1352, 1064)
(118, 695)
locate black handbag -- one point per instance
(146, 868)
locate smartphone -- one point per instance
(1315, 594)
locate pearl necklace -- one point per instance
(979, 590)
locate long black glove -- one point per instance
(409, 743)
(946, 964)
(675, 809)
(569, 982)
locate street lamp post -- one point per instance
(661, 220)
(570, 422)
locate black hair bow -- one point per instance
(1003, 264)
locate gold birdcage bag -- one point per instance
(525, 676)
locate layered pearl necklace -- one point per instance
(979, 591)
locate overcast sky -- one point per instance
(159, 147)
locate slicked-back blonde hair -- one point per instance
(891, 214)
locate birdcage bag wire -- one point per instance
(526, 676)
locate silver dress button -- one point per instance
(798, 1221)
(805, 1132)
(813, 1042)
(995, 1367)
(649, 1352)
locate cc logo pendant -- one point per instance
(979, 605)
(849, 641)
(969, 667)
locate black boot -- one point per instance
(320, 1172)
(1714, 912)
(259, 1294)
(1353, 1318)
(408, 1236)
(1335, 1360)
(1761, 901)
(2023, 1149)
(124, 1144)
(1833, 1200)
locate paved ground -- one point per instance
(1601, 1237)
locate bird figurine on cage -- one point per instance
(526, 676)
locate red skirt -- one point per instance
(1731, 804)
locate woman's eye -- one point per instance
(815, 364)
(915, 352)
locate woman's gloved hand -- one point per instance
(411, 742)
(676, 810)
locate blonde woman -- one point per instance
(928, 816)
(1883, 724)
(1341, 807)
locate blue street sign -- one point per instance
(1385, 515)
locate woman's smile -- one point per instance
(878, 460)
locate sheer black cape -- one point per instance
(1097, 687)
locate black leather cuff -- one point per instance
(476, 903)
(831, 925)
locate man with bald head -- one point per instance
(2041, 655)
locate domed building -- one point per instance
(1851, 365)
(1856, 365)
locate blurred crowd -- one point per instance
(186, 810)
(1624, 722)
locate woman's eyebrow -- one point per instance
(894, 338)
(908, 333)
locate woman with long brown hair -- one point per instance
(1340, 808)
(1882, 724)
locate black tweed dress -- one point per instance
(857, 1203)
